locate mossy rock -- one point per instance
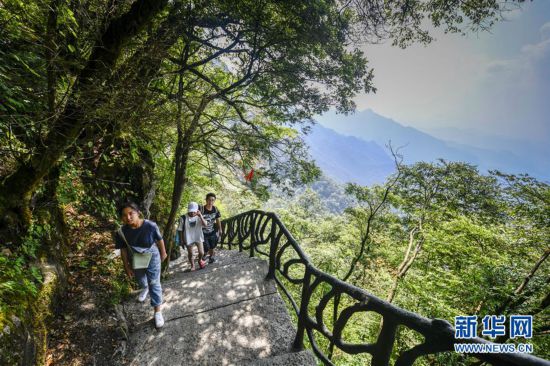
(24, 341)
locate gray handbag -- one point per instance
(139, 260)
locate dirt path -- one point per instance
(84, 330)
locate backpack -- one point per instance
(201, 209)
(176, 249)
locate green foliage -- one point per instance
(73, 191)
(479, 237)
(216, 88)
(20, 278)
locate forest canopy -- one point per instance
(154, 100)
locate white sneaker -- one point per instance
(159, 320)
(143, 294)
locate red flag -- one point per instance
(248, 177)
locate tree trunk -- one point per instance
(16, 190)
(407, 262)
(364, 247)
(519, 297)
(50, 54)
(515, 299)
(182, 151)
(183, 148)
(393, 290)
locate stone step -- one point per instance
(303, 358)
(202, 290)
(235, 334)
(223, 258)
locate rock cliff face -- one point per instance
(23, 340)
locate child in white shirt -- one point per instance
(190, 229)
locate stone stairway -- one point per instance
(225, 314)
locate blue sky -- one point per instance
(495, 83)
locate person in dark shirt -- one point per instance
(143, 236)
(213, 229)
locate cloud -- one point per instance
(536, 52)
(494, 83)
(420, 84)
(512, 94)
(499, 66)
(530, 64)
(545, 31)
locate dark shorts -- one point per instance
(210, 241)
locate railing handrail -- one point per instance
(438, 333)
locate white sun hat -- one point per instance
(192, 207)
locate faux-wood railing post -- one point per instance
(272, 249)
(231, 233)
(224, 236)
(384, 345)
(239, 227)
(298, 344)
(252, 227)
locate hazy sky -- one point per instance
(497, 83)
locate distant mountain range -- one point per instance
(353, 148)
(348, 158)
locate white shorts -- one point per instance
(199, 245)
